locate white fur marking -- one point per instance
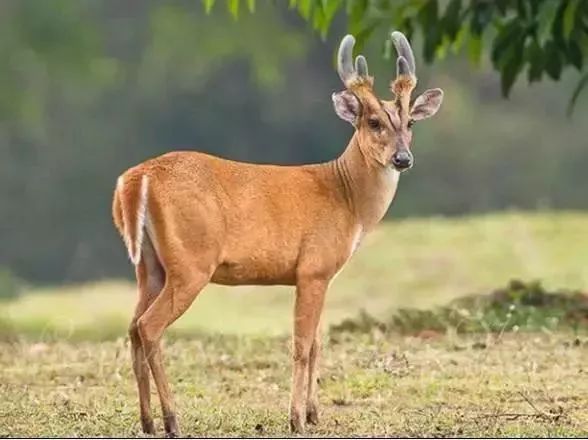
(356, 241)
(127, 238)
(393, 175)
(141, 213)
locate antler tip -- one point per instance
(349, 38)
(345, 58)
(361, 66)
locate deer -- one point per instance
(189, 219)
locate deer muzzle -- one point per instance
(402, 159)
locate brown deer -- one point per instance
(189, 219)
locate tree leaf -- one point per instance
(251, 5)
(330, 8)
(428, 13)
(234, 8)
(545, 19)
(536, 60)
(569, 18)
(511, 66)
(574, 54)
(208, 4)
(510, 32)
(553, 65)
(428, 19)
(318, 19)
(451, 19)
(577, 91)
(305, 8)
(432, 43)
(557, 28)
(502, 6)
(481, 15)
(523, 9)
(355, 11)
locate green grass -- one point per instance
(411, 263)
(516, 385)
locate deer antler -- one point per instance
(405, 64)
(350, 75)
(405, 80)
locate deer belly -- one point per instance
(259, 268)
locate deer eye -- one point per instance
(374, 123)
(410, 123)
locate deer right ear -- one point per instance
(347, 106)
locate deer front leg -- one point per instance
(310, 295)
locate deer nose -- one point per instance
(402, 159)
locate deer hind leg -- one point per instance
(177, 295)
(313, 378)
(150, 280)
(308, 306)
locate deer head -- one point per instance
(383, 128)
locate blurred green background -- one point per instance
(88, 89)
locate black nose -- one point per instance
(402, 159)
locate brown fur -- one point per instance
(360, 83)
(402, 87)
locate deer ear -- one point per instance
(427, 104)
(347, 106)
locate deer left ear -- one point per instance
(347, 106)
(427, 104)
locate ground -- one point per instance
(65, 366)
(378, 384)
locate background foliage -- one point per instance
(88, 89)
(539, 36)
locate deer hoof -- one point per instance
(147, 425)
(296, 423)
(171, 426)
(312, 414)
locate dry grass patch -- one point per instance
(515, 385)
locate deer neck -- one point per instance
(368, 188)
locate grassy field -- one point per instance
(65, 363)
(412, 263)
(520, 385)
